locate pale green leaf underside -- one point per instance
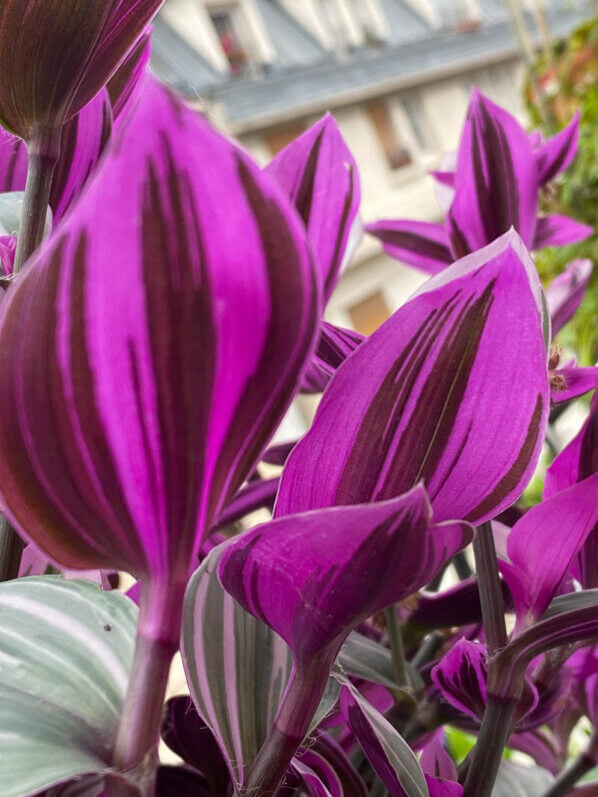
(516, 780)
(66, 650)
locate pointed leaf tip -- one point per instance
(383, 551)
(429, 397)
(170, 279)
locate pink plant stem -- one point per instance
(135, 750)
(299, 704)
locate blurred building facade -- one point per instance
(396, 74)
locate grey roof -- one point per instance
(254, 102)
(404, 23)
(293, 44)
(180, 65)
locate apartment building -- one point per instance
(396, 74)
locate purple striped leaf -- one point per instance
(389, 754)
(278, 453)
(162, 353)
(577, 464)
(557, 230)
(237, 669)
(556, 154)
(319, 174)
(323, 769)
(460, 605)
(570, 382)
(312, 781)
(440, 770)
(335, 345)
(419, 243)
(187, 735)
(443, 788)
(436, 761)
(55, 56)
(83, 141)
(355, 561)
(13, 163)
(429, 397)
(565, 293)
(542, 545)
(461, 676)
(126, 83)
(331, 751)
(257, 494)
(8, 248)
(496, 182)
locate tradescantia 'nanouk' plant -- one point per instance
(150, 348)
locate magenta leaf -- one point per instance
(314, 784)
(335, 345)
(496, 182)
(565, 293)
(56, 55)
(555, 155)
(126, 83)
(257, 494)
(578, 463)
(461, 676)
(174, 312)
(319, 174)
(438, 787)
(187, 735)
(354, 562)
(84, 140)
(543, 544)
(429, 397)
(570, 381)
(419, 243)
(390, 756)
(557, 230)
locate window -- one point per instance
(418, 121)
(396, 154)
(228, 25)
(369, 314)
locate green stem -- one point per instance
(491, 599)
(42, 157)
(499, 712)
(487, 754)
(397, 648)
(135, 749)
(299, 704)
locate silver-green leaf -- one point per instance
(66, 650)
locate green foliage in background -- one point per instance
(567, 76)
